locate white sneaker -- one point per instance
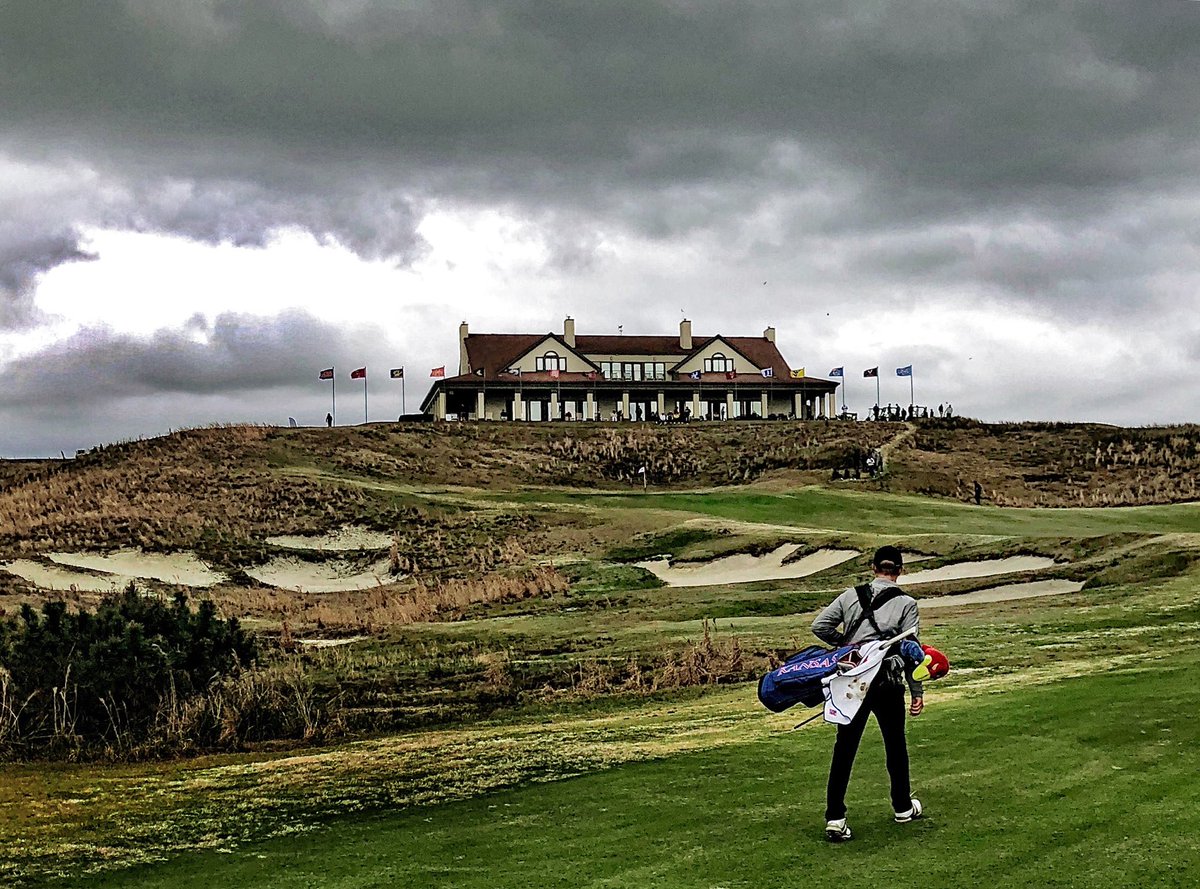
(912, 814)
(837, 831)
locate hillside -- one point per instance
(220, 490)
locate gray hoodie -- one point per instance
(894, 617)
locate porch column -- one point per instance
(518, 408)
(553, 405)
(799, 403)
(480, 406)
(439, 406)
(766, 404)
(625, 404)
(831, 410)
(695, 404)
(589, 410)
(662, 403)
(729, 404)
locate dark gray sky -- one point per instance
(203, 202)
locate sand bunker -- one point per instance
(1005, 593)
(983, 568)
(49, 577)
(331, 643)
(181, 568)
(349, 539)
(320, 577)
(744, 568)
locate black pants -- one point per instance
(886, 701)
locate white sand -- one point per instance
(1005, 593)
(48, 577)
(744, 568)
(320, 577)
(181, 568)
(984, 568)
(331, 643)
(348, 539)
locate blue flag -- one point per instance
(838, 372)
(904, 371)
(695, 375)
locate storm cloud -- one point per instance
(916, 158)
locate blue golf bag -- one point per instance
(798, 680)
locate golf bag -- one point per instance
(798, 680)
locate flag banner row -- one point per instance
(396, 373)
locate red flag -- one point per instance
(591, 375)
(326, 374)
(731, 374)
(438, 371)
(554, 374)
(360, 374)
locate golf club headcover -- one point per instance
(934, 665)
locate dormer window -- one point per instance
(550, 361)
(718, 363)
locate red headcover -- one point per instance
(939, 666)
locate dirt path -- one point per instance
(898, 439)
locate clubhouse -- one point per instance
(550, 376)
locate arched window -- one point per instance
(718, 363)
(550, 361)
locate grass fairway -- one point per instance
(875, 512)
(1086, 782)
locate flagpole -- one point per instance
(334, 411)
(403, 400)
(365, 421)
(877, 391)
(912, 398)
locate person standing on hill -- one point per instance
(881, 611)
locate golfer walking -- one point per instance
(890, 612)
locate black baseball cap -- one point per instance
(888, 557)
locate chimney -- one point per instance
(769, 334)
(685, 335)
(464, 363)
(569, 331)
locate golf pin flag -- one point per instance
(838, 372)
(438, 371)
(397, 373)
(904, 371)
(871, 372)
(326, 374)
(798, 374)
(360, 374)
(768, 371)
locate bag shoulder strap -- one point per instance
(868, 607)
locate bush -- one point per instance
(77, 681)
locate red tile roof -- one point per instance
(496, 352)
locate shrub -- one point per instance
(77, 681)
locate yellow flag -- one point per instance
(798, 374)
